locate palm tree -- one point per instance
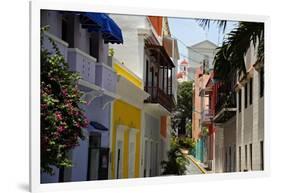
(230, 55)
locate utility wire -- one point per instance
(186, 46)
(190, 58)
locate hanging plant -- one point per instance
(62, 120)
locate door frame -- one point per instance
(120, 132)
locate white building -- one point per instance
(200, 54)
(182, 74)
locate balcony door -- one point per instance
(67, 30)
(94, 45)
(151, 78)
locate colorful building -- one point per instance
(83, 39)
(130, 91)
(200, 130)
(153, 66)
(126, 129)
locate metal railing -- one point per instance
(157, 95)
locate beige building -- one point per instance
(250, 115)
(239, 119)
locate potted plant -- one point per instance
(110, 56)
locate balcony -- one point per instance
(105, 77)
(157, 95)
(62, 45)
(159, 77)
(90, 71)
(82, 63)
(207, 117)
(225, 107)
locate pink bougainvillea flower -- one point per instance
(64, 92)
(58, 115)
(61, 129)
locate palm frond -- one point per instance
(205, 23)
(235, 46)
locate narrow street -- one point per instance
(127, 96)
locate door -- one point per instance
(93, 155)
(132, 159)
(152, 154)
(103, 163)
(145, 172)
(119, 159)
(132, 152)
(156, 165)
(93, 164)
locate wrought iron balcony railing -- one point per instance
(157, 95)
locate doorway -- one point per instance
(119, 159)
(93, 155)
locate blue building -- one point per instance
(83, 40)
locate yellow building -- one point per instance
(126, 125)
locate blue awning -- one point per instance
(98, 126)
(102, 22)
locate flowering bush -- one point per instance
(61, 118)
(177, 161)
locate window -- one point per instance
(246, 95)
(251, 156)
(261, 156)
(251, 91)
(246, 158)
(239, 100)
(261, 82)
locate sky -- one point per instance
(189, 32)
